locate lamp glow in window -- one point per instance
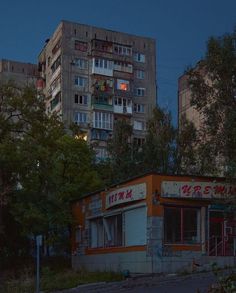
(122, 85)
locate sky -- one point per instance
(181, 29)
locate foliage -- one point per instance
(186, 140)
(121, 151)
(41, 168)
(159, 148)
(213, 89)
(56, 280)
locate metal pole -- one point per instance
(37, 276)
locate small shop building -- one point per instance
(156, 223)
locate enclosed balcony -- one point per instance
(102, 102)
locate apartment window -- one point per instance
(122, 50)
(81, 46)
(56, 47)
(56, 64)
(55, 83)
(103, 120)
(182, 225)
(139, 108)
(101, 154)
(122, 85)
(118, 101)
(139, 57)
(81, 99)
(80, 63)
(81, 81)
(100, 135)
(55, 101)
(140, 92)
(139, 74)
(80, 117)
(139, 125)
(138, 141)
(103, 63)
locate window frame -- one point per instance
(183, 240)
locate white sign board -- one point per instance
(204, 190)
(126, 194)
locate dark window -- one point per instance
(81, 46)
(182, 225)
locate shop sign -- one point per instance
(126, 194)
(197, 190)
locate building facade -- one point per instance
(94, 76)
(19, 72)
(155, 223)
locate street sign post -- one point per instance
(38, 245)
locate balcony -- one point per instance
(125, 110)
(102, 103)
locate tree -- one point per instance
(213, 89)
(186, 158)
(121, 151)
(159, 148)
(42, 169)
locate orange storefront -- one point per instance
(155, 223)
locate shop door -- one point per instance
(221, 235)
(216, 235)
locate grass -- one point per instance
(51, 280)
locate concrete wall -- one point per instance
(135, 262)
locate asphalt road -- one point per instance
(196, 283)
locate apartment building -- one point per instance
(94, 76)
(19, 72)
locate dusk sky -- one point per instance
(180, 28)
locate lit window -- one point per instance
(122, 85)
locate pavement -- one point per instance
(191, 283)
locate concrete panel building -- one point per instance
(94, 76)
(19, 72)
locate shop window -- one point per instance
(113, 230)
(96, 233)
(122, 85)
(182, 225)
(136, 234)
